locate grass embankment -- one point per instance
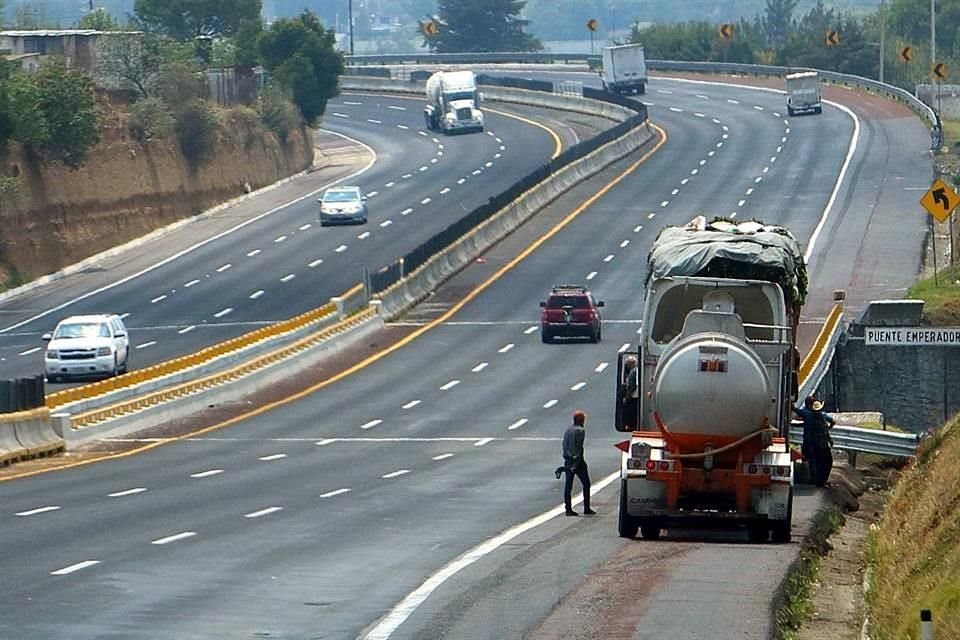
(915, 551)
(941, 297)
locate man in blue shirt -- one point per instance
(575, 465)
(817, 442)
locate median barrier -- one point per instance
(34, 432)
(10, 448)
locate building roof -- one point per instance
(58, 33)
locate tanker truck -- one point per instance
(452, 102)
(716, 367)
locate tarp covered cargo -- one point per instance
(724, 249)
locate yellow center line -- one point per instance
(570, 217)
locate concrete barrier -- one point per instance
(35, 433)
(10, 448)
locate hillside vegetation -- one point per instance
(915, 551)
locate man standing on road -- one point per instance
(574, 463)
(817, 442)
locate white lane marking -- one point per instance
(364, 235)
(158, 299)
(758, 179)
(482, 442)
(703, 162)
(623, 347)
(423, 133)
(395, 474)
(255, 252)
(371, 424)
(758, 107)
(263, 512)
(374, 121)
(279, 239)
(304, 227)
(773, 158)
(256, 294)
(223, 268)
(694, 172)
(372, 194)
(578, 386)
(506, 348)
(776, 114)
(29, 351)
(480, 367)
(411, 404)
(386, 223)
(530, 330)
(731, 101)
(335, 492)
(608, 258)
(550, 403)
(324, 442)
(519, 423)
(651, 216)
(591, 275)
(779, 148)
(340, 115)
(638, 228)
(423, 168)
(351, 103)
(749, 191)
(406, 607)
(601, 367)
(206, 474)
(741, 203)
(272, 457)
(733, 214)
(74, 567)
(288, 277)
(461, 180)
(699, 115)
(396, 107)
(175, 537)
(498, 155)
(676, 109)
(488, 164)
(146, 344)
(402, 126)
(426, 201)
(624, 244)
(390, 184)
(406, 211)
(187, 285)
(477, 172)
(187, 329)
(449, 385)
(711, 153)
(783, 139)
(716, 121)
(223, 312)
(341, 248)
(675, 192)
(33, 512)
(766, 169)
(434, 160)
(315, 263)
(685, 181)
(443, 456)
(444, 191)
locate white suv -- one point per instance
(87, 346)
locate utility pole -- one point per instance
(933, 32)
(883, 33)
(350, 22)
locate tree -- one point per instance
(301, 55)
(482, 25)
(101, 20)
(186, 19)
(777, 22)
(134, 61)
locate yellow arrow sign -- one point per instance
(832, 38)
(906, 54)
(726, 31)
(940, 70)
(940, 200)
(592, 24)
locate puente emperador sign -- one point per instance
(913, 336)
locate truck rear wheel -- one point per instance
(650, 532)
(626, 526)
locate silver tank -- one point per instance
(729, 400)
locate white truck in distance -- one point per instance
(624, 69)
(803, 92)
(452, 102)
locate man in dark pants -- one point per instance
(817, 442)
(574, 464)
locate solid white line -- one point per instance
(256, 294)
(74, 567)
(187, 285)
(158, 299)
(450, 385)
(288, 277)
(253, 253)
(411, 404)
(263, 512)
(550, 403)
(175, 537)
(519, 423)
(29, 351)
(395, 474)
(220, 314)
(206, 474)
(480, 367)
(506, 348)
(33, 512)
(483, 441)
(578, 386)
(371, 424)
(146, 344)
(187, 329)
(335, 492)
(443, 456)
(601, 367)
(128, 492)
(223, 268)
(406, 607)
(275, 456)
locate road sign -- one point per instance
(428, 28)
(592, 24)
(913, 336)
(906, 54)
(726, 31)
(832, 38)
(940, 200)
(940, 70)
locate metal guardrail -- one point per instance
(888, 90)
(884, 443)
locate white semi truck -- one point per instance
(624, 69)
(452, 100)
(803, 92)
(709, 444)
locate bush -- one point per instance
(277, 112)
(244, 121)
(180, 83)
(197, 130)
(150, 120)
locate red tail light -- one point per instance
(664, 465)
(651, 465)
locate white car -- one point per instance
(343, 205)
(82, 346)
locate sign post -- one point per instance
(592, 25)
(940, 201)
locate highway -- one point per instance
(320, 517)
